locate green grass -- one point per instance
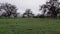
(29, 26)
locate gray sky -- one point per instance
(26, 4)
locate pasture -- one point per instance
(29, 26)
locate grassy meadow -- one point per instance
(29, 26)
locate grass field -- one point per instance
(29, 26)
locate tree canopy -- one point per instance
(52, 7)
(10, 10)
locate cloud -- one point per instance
(26, 4)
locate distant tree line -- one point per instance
(49, 10)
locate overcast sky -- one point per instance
(26, 4)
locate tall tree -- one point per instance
(53, 8)
(9, 9)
